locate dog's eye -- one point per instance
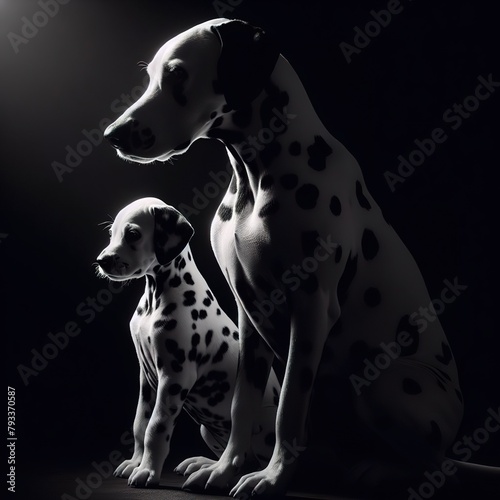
(132, 235)
(174, 75)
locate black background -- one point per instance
(66, 78)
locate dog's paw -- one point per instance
(265, 483)
(143, 477)
(193, 464)
(219, 475)
(126, 467)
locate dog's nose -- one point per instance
(119, 135)
(106, 262)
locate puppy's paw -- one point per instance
(192, 464)
(126, 467)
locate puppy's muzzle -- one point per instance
(110, 264)
(129, 136)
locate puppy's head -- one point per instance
(192, 76)
(145, 234)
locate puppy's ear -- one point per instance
(247, 59)
(172, 232)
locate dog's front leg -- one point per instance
(169, 401)
(145, 406)
(253, 372)
(309, 330)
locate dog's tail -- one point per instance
(469, 474)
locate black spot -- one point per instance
(335, 206)
(213, 114)
(412, 330)
(446, 357)
(176, 366)
(306, 379)
(140, 311)
(266, 182)
(207, 302)
(188, 279)
(195, 339)
(171, 346)
(189, 298)
(226, 108)
(166, 324)
(203, 314)
(362, 200)
(295, 148)
(309, 241)
(170, 325)
(160, 428)
(208, 337)
(346, 278)
(372, 297)
(219, 355)
(175, 281)
(318, 152)
(270, 208)
(194, 315)
(242, 117)
(225, 331)
(217, 122)
(289, 181)
(307, 196)
(410, 386)
(236, 335)
(218, 312)
(174, 389)
(369, 244)
(169, 309)
(245, 196)
(435, 435)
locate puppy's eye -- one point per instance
(132, 235)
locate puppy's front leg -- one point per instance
(169, 400)
(254, 366)
(309, 330)
(145, 405)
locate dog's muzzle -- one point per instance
(129, 137)
(110, 264)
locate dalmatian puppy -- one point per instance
(322, 281)
(187, 346)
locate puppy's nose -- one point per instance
(106, 262)
(119, 135)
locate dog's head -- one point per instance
(194, 74)
(145, 234)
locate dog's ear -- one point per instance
(247, 59)
(172, 232)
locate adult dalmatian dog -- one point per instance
(299, 237)
(187, 346)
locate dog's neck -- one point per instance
(254, 136)
(161, 277)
